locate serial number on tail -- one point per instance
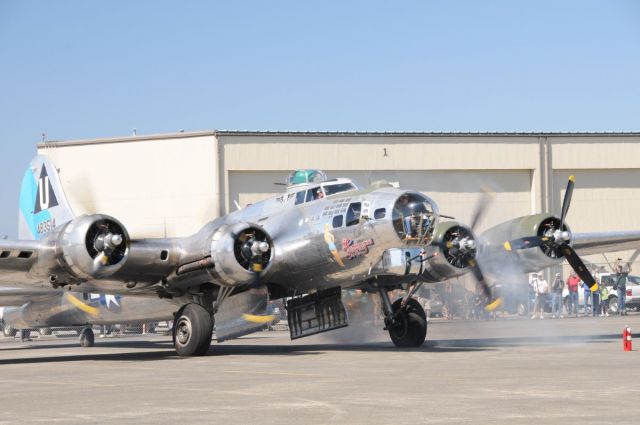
(46, 226)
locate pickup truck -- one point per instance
(606, 279)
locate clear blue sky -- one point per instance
(82, 69)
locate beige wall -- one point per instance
(454, 161)
(155, 187)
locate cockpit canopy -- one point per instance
(306, 176)
(414, 218)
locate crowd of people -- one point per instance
(595, 298)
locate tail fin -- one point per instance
(43, 205)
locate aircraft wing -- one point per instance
(15, 297)
(46, 264)
(596, 243)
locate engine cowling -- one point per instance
(241, 253)
(93, 246)
(451, 249)
(494, 255)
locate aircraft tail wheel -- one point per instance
(410, 325)
(192, 331)
(87, 338)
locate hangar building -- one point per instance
(171, 184)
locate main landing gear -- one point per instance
(192, 330)
(405, 320)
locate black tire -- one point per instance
(411, 327)
(44, 331)
(613, 305)
(192, 331)
(87, 339)
(8, 331)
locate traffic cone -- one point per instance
(626, 338)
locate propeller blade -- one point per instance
(481, 208)
(576, 264)
(477, 273)
(524, 243)
(567, 200)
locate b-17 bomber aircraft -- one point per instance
(307, 245)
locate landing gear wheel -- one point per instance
(192, 331)
(410, 327)
(87, 338)
(8, 331)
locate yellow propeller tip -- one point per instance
(507, 246)
(253, 318)
(492, 306)
(92, 311)
(572, 178)
(594, 288)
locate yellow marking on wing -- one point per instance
(497, 303)
(507, 246)
(258, 319)
(82, 306)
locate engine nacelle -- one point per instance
(452, 247)
(240, 252)
(92, 246)
(446, 256)
(495, 257)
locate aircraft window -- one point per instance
(312, 194)
(379, 213)
(414, 217)
(353, 213)
(300, 197)
(337, 221)
(338, 188)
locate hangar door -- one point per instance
(602, 201)
(456, 192)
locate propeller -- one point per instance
(254, 255)
(481, 208)
(105, 243)
(556, 240)
(461, 249)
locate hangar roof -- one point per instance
(180, 135)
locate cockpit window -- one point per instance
(311, 195)
(300, 197)
(379, 213)
(414, 218)
(338, 188)
(353, 213)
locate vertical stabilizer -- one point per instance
(43, 205)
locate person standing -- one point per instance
(540, 287)
(25, 335)
(604, 301)
(572, 285)
(595, 295)
(587, 299)
(556, 296)
(620, 283)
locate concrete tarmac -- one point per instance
(508, 371)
